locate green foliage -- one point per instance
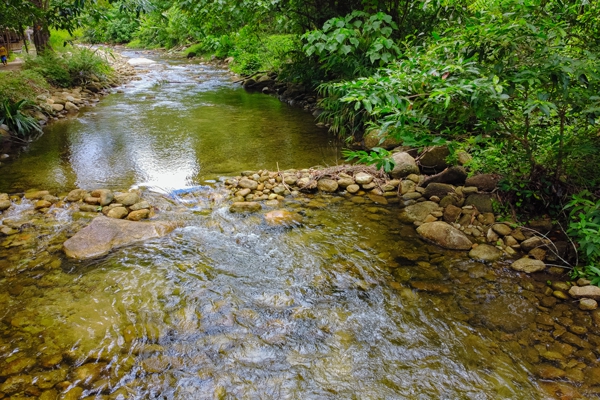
(62, 38)
(518, 80)
(381, 158)
(71, 67)
(353, 45)
(113, 24)
(135, 44)
(584, 225)
(584, 228)
(167, 28)
(18, 123)
(251, 51)
(589, 272)
(22, 84)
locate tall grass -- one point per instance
(17, 85)
(70, 66)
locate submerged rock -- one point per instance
(509, 313)
(245, 206)
(444, 235)
(432, 287)
(283, 218)
(15, 383)
(103, 234)
(17, 366)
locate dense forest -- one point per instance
(513, 83)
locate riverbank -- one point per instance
(53, 103)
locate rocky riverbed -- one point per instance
(554, 324)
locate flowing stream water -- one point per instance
(227, 307)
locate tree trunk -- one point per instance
(22, 33)
(41, 36)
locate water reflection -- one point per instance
(176, 127)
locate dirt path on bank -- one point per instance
(14, 65)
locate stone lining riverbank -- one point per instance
(59, 103)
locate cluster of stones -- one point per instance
(127, 205)
(271, 187)
(56, 381)
(564, 345)
(60, 102)
(448, 209)
(114, 205)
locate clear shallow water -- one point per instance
(228, 307)
(177, 126)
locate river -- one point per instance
(228, 307)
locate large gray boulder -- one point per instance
(418, 212)
(444, 235)
(404, 165)
(104, 234)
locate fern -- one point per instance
(482, 5)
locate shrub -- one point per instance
(69, 68)
(518, 83)
(354, 45)
(18, 123)
(62, 38)
(584, 228)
